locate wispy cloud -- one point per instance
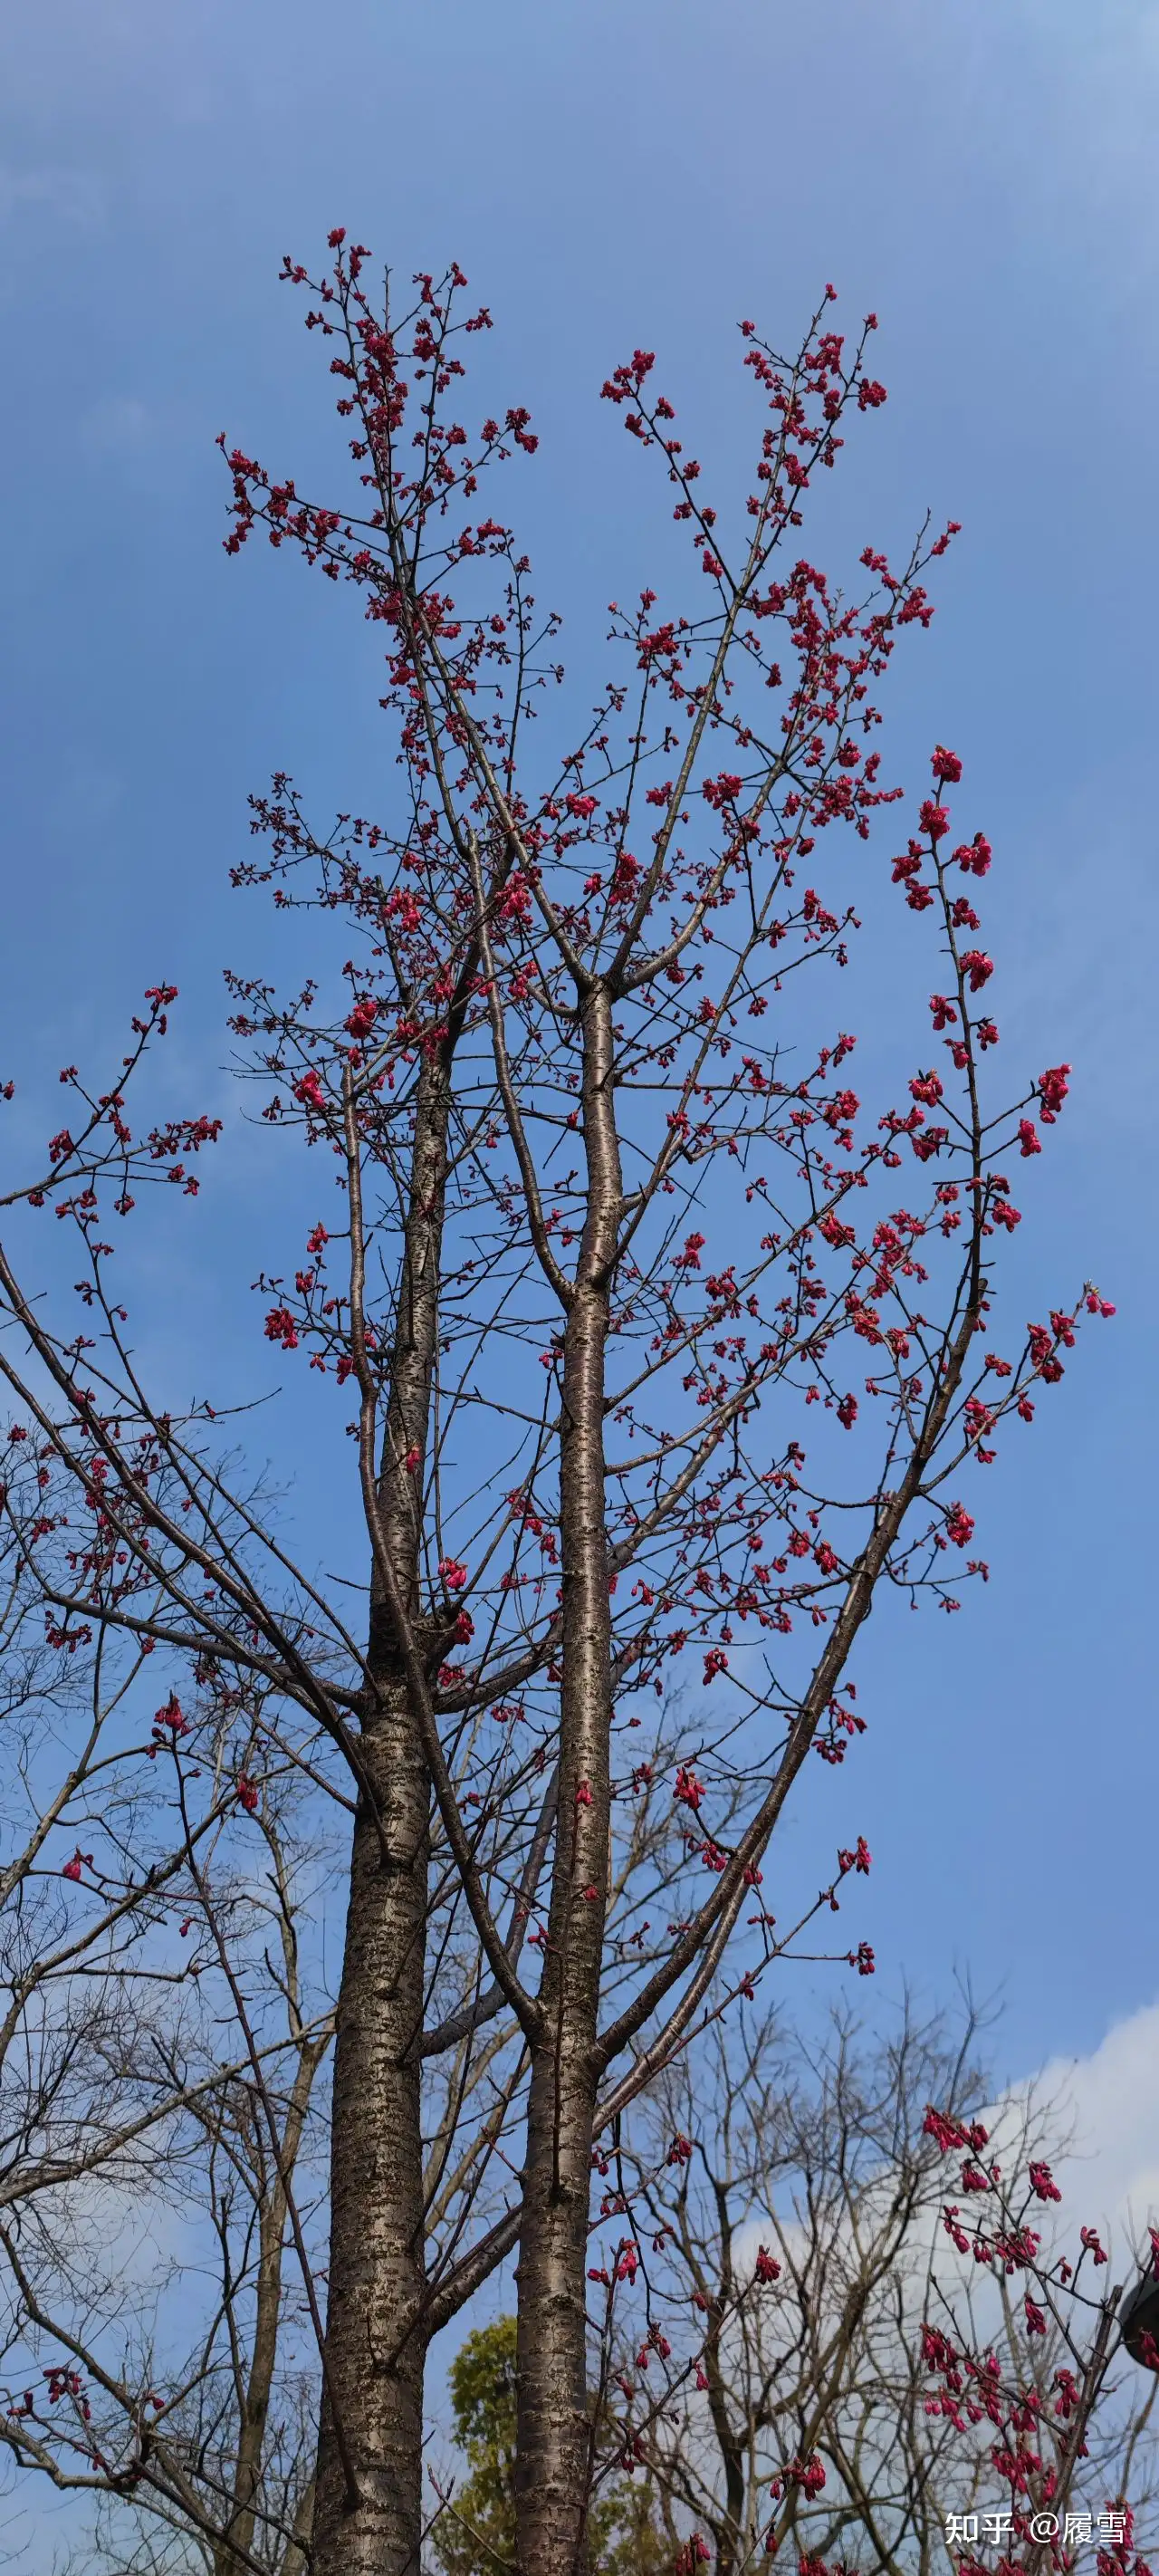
(76, 199)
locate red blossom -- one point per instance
(1052, 1088)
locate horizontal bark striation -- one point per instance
(553, 2474)
(375, 2349)
(377, 2273)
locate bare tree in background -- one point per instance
(803, 2362)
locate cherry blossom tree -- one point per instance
(668, 1357)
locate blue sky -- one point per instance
(978, 171)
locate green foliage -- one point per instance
(628, 2539)
(475, 2535)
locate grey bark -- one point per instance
(375, 2345)
(553, 2441)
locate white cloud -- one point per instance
(1095, 2117)
(1111, 2172)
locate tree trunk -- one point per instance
(375, 2351)
(554, 2435)
(377, 2271)
(727, 2529)
(235, 2547)
(297, 2559)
